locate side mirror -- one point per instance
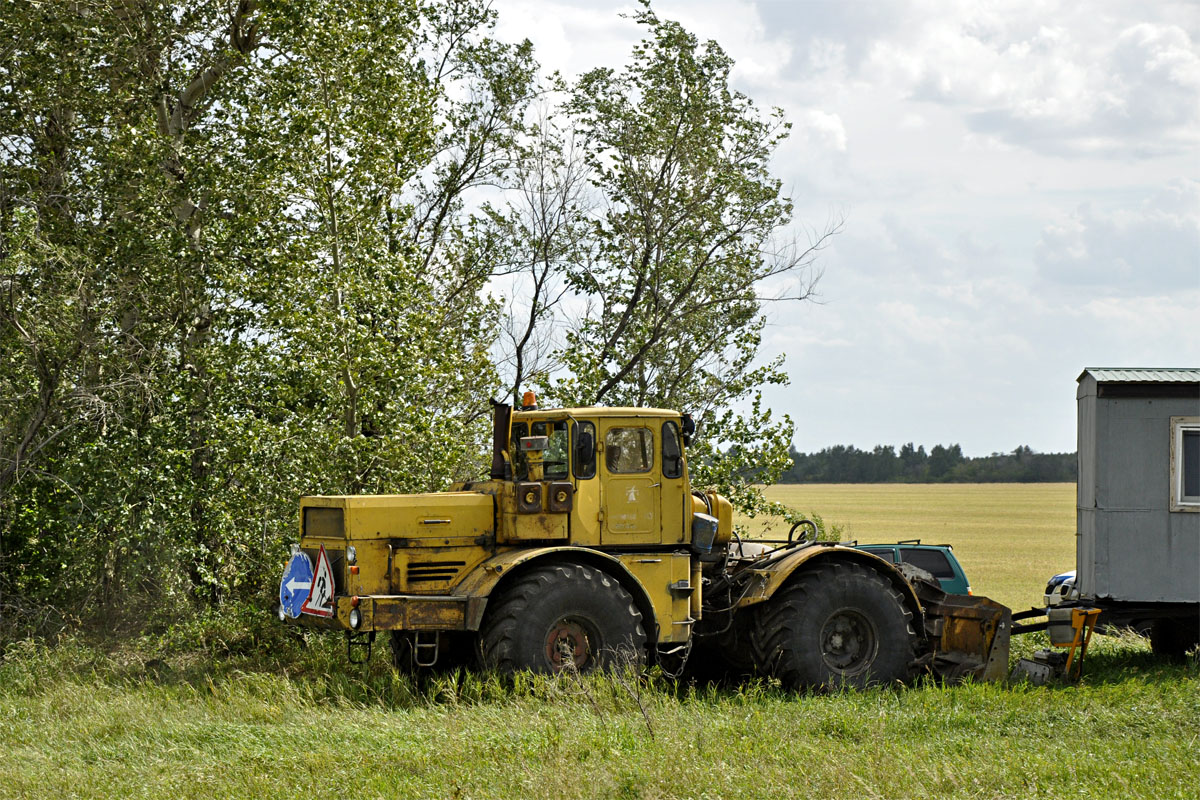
(585, 448)
(688, 429)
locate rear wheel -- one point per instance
(562, 617)
(839, 625)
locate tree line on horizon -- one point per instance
(941, 464)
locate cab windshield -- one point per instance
(554, 459)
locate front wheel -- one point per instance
(562, 617)
(838, 625)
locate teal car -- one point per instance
(937, 559)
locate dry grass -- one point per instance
(1009, 537)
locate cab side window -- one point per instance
(628, 450)
(672, 454)
(585, 467)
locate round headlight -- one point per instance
(355, 618)
(351, 555)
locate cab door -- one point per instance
(631, 489)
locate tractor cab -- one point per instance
(618, 475)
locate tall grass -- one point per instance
(236, 706)
(298, 722)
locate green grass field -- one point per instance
(236, 708)
(1010, 538)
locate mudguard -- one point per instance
(483, 579)
(774, 574)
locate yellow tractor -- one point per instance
(587, 547)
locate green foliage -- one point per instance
(665, 255)
(252, 250)
(236, 269)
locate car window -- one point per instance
(932, 561)
(885, 553)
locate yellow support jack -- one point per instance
(1069, 628)
(1073, 633)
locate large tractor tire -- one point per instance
(562, 617)
(838, 625)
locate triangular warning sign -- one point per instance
(320, 597)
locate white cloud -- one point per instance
(1085, 85)
(1151, 249)
(822, 129)
(1019, 181)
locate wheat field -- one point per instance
(1009, 537)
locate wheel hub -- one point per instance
(848, 641)
(567, 645)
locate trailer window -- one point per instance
(1185, 463)
(628, 450)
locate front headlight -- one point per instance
(355, 618)
(351, 555)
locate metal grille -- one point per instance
(433, 571)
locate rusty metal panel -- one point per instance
(515, 525)
(417, 516)
(372, 562)
(970, 636)
(559, 496)
(529, 497)
(424, 568)
(324, 523)
(537, 527)
(414, 613)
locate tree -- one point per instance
(236, 267)
(666, 307)
(546, 228)
(943, 459)
(107, 173)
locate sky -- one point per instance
(1020, 189)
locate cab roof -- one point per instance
(607, 412)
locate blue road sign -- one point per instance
(296, 583)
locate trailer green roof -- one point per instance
(1142, 374)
